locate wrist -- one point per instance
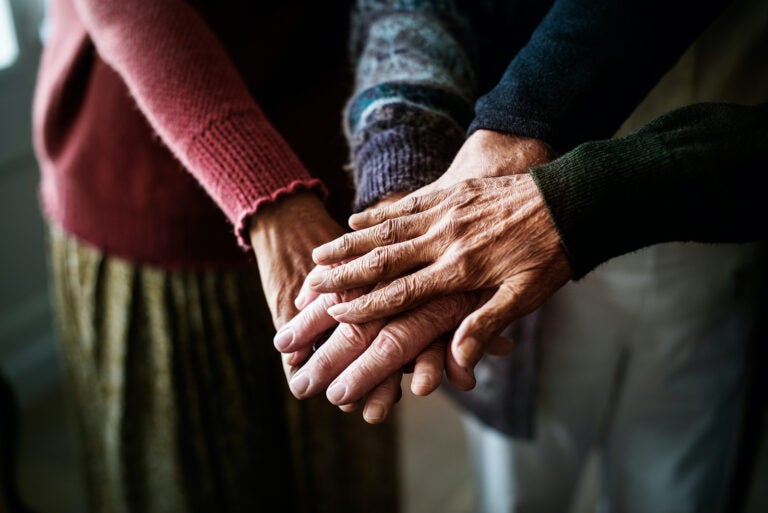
(489, 153)
(300, 208)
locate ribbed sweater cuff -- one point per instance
(245, 164)
(605, 199)
(402, 159)
(506, 123)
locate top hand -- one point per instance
(479, 234)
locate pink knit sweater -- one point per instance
(150, 142)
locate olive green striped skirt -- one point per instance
(182, 405)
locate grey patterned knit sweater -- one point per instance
(573, 73)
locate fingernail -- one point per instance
(374, 412)
(315, 280)
(338, 310)
(421, 384)
(299, 384)
(467, 348)
(300, 301)
(319, 254)
(336, 392)
(283, 338)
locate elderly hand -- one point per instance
(487, 153)
(488, 233)
(358, 358)
(283, 235)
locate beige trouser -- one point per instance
(643, 358)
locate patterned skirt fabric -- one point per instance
(182, 404)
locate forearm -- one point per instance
(694, 174)
(587, 65)
(192, 95)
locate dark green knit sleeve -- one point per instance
(694, 174)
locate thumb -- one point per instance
(479, 332)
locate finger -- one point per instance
(379, 264)
(302, 331)
(400, 295)
(407, 206)
(382, 398)
(428, 368)
(289, 369)
(349, 408)
(306, 294)
(346, 343)
(400, 341)
(297, 358)
(480, 329)
(462, 378)
(361, 242)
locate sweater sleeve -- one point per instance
(413, 96)
(195, 99)
(694, 174)
(588, 64)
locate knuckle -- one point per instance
(397, 292)
(378, 260)
(353, 336)
(378, 215)
(456, 266)
(344, 244)
(322, 362)
(474, 184)
(339, 275)
(390, 346)
(462, 187)
(447, 227)
(411, 205)
(386, 232)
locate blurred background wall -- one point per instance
(28, 357)
(26, 348)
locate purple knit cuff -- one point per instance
(402, 159)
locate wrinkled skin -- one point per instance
(283, 235)
(379, 390)
(485, 233)
(365, 354)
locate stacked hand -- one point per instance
(474, 249)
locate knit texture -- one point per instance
(587, 65)
(133, 99)
(694, 174)
(413, 96)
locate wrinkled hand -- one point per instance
(283, 235)
(488, 233)
(366, 360)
